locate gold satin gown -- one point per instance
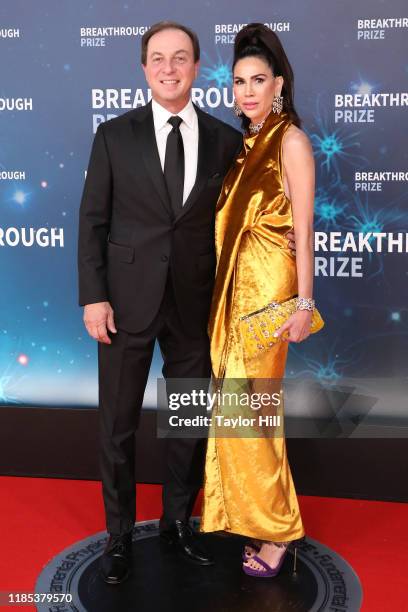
(248, 486)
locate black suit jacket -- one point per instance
(128, 236)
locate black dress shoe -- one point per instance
(116, 560)
(181, 538)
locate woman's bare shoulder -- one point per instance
(296, 141)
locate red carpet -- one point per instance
(41, 516)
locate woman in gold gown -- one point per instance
(268, 191)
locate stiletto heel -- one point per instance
(294, 560)
(295, 546)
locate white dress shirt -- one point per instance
(189, 133)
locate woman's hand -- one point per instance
(296, 328)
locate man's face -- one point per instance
(170, 68)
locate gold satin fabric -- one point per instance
(248, 487)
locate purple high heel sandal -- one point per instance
(269, 572)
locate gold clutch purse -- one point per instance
(257, 328)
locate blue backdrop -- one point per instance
(67, 66)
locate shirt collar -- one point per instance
(161, 115)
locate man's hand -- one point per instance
(98, 319)
(291, 241)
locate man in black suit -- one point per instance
(146, 269)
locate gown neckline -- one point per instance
(271, 119)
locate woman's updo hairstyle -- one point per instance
(257, 40)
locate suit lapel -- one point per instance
(143, 127)
(205, 146)
(144, 131)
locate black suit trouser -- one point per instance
(123, 369)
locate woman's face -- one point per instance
(255, 87)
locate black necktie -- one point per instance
(174, 165)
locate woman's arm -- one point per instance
(299, 170)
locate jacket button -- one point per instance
(164, 258)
